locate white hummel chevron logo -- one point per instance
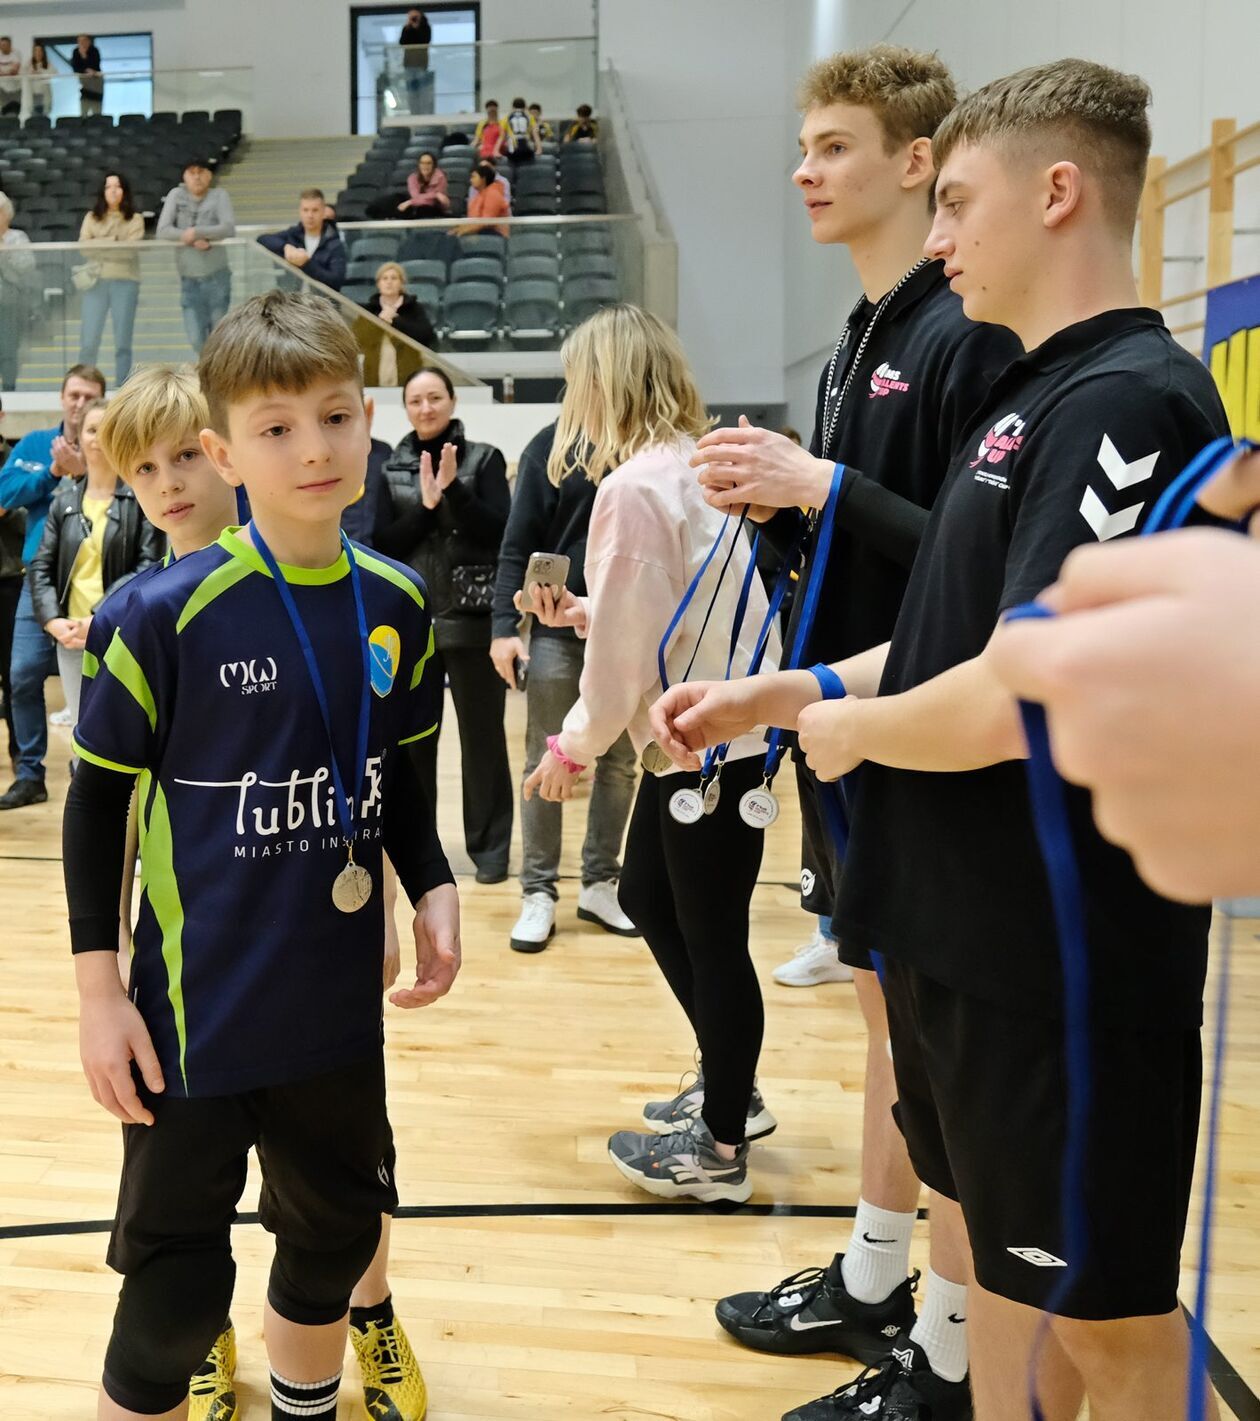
(1124, 475)
(1121, 474)
(1108, 525)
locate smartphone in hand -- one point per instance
(544, 570)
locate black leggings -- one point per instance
(687, 888)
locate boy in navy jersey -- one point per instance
(152, 435)
(1039, 180)
(265, 690)
(892, 403)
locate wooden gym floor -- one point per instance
(533, 1281)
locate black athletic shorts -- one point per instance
(820, 865)
(324, 1145)
(982, 1102)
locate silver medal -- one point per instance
(654, 760)
(686, 806)
(712, 795)
(759, 808)
(351, 888)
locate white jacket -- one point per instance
(650, 530)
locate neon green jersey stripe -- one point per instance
(424, 660)
(158, 860)
(102, 761)
(421, 735)
(125, 669)
(90, 664)
(390, 574)
(211, 586)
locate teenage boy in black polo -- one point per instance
(1038, 186)
(892, 403)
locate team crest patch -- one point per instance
(385, 649)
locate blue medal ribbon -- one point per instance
(775, 749)
(1048, 796)
(688, 596)
(346, 814)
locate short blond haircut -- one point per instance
(278, 341)
(1071, 110)
(391, 266)
(908, 91)
(158, 404)
(627, 386)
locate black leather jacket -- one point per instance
(464, 530)
(131, 543)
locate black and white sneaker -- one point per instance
(903, 1387)
(813, 1311)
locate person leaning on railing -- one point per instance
(388, 362)
(17, 293)
(39, 76)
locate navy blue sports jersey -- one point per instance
(104, 624)
(244, 971)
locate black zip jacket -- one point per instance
(131, 544)
(464, 530)
(544, 519)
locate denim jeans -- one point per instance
(34, 659)
(555, 666)
(118, 298)
(205, 300)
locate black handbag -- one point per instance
(472, 587)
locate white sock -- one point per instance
(942, 1327)
(878, 1255)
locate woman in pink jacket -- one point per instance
(427, 194)
(632, 407)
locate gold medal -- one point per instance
(654, 760)
(352, 888)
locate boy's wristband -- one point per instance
(832, 686)
(572, 766)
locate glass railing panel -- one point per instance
(142, 91)
(122, 304)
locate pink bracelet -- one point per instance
(553, 744)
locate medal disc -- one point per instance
(654, 760)
(351, 888)
(759, 808)
(686, 806)
(711, 796)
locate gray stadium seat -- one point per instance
(359, 291)
(533, 266)
(477, 268)
(380, 246)
(422, 269)
(533, 316)
(482, 244)
(585, 295)
(470, 311)
(582, 264)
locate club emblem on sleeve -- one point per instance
(1121, 474)
(385, 649)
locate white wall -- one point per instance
(300, 49)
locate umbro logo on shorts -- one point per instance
(1038, 1257)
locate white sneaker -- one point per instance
(61, 717)
(815, 961)
(598, 904)
(534, 928)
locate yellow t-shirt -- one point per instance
(87, 584)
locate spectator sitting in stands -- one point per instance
(490, 135)
(486, 200)
(312, 244)
(522, 143)
(545, 131)
(388, 362)
(503, 182)
(427, 195)
(85, 60)
(10, 77)
(39, 71)
(586, 129)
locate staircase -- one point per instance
(268, 173)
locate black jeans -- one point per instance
(10, 591)
(478, 694)
(687, 888)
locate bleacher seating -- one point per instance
(61, 164)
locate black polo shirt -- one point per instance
(1076, 442)
(925, 369)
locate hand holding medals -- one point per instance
(761, 468)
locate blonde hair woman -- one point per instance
(632, 409)
(387, 362)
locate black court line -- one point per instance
(1233, 1389)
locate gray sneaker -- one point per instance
(682, 1165)
(666, 1117)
